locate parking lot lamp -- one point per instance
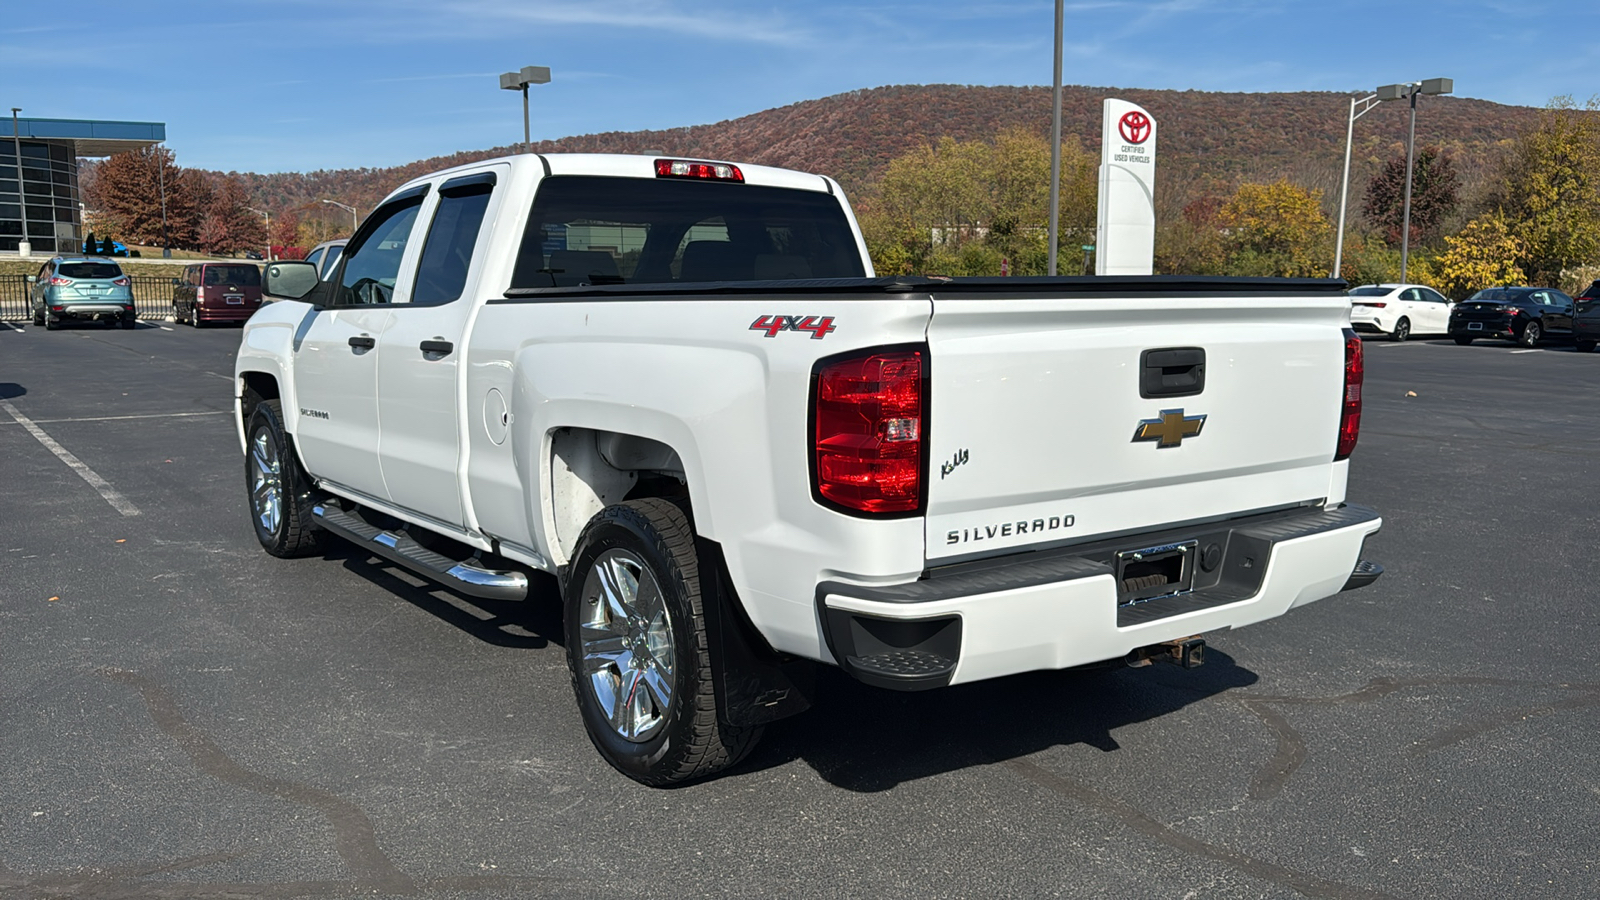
(519, 81)
(269, 228)
(24, 249)
(1431, 86)
(1359, 106)
(352, 210)
(1055, 144)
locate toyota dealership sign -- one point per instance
(1126, 239)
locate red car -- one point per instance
(216, 292)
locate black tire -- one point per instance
(194, 317)
(38, 319)
(175, 318)
(291, 532)
(1463, 341)
(1402, 330)
(1585, 346)
(51, 323)
(130, 322)
(1531, 333)
(689, 741)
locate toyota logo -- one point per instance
(1135, 127)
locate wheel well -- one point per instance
(254, 388)
(591, 469)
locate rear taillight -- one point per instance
(1375, 305)
(1350, 408)
(867, 435)
(120, 282)
(58, 281)
(685, 168)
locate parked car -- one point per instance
(1398, 310)
(325, 255)
(1526, 315)
(1586, 318)
(84, 288)
(216, 292)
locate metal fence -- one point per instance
(152, 297)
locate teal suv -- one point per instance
(88, 288)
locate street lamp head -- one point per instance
(1395, 91)
(516, 81)
(1437, 86)
(509, 82)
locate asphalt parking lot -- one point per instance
(182, 716)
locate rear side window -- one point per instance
(594, 230)
(89, 270)
(452, 236)
(238, 276)
(1369, 291)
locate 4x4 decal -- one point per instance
(819, 326)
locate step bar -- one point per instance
(466, 576)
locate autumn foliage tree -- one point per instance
(229, 226)
(1484, 254)
(1276, 229)
(1550, 191)
(1435, 186)
(126, 193)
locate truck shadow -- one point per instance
(529, 624)
(865, 739)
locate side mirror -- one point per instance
(290, 280)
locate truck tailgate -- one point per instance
(1037, 423)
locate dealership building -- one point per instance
(49, 205)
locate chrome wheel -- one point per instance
(266, 482)
(628, 650)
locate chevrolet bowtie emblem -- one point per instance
(1170, 429)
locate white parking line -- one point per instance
(117, 501)
(163, 328)
(182, 415)
(15, 328)
(1514, 352)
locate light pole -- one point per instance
(1055, 143)
(352, 210)
(24, 248)
(519, 81)
(161, 180)
(268, 217)
(1404, 90)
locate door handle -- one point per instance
(443, 348)
(362, 343)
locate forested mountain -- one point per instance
(1207, 141)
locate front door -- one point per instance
(420, 366)
(336, 361)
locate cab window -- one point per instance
(372, 261)
(442, 271)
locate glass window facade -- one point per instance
(50, 185)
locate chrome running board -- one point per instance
(466, 576)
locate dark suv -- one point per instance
(1586, 318)
(76, 287)
(216, 292)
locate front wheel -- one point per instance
(280, 494)
(637, 648)
(1530, 334)
(1402, 330)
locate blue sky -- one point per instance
(293, 85)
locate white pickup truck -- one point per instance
(678, 386)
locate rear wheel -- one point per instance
(1531, 333)
(279, 492)
(1402, 330)
(194, 317)
(130, 322)
(51, 323)
(637, 648)
(1463, 341)
(38, 319)
(1585, 346)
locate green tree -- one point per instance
(1434, 189)
(1275, 229)
(1550, 190)
(1484, 254)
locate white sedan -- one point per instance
(1398, 310)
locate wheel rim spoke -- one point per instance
(626, 650)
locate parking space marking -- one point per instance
(16, 328)
(117, 501)
(182, 415)
(163, 328)
(1514, 352)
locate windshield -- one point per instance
(238, 276)
(1497, 295)
(593, 230)
(89, 270)
(1373, 291)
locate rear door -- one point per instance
(420, 352)
(1060, 418)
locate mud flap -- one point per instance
(754, 683)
